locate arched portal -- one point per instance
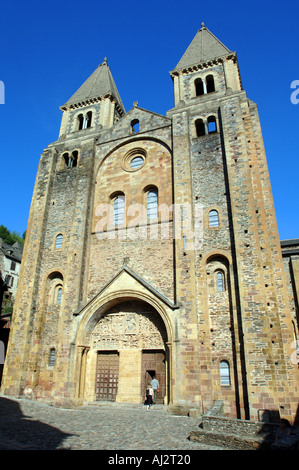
(125, 346)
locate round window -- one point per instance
(134, 159)
(136, 162)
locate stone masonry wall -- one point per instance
(138, 243)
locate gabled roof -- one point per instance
(145, 115)
(205, 46)
(98, 85)
(119, 276)
(14, 251)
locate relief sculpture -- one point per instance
(128, 330)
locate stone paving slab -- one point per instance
(30, 425)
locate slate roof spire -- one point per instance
(204, 47)
(100, 84)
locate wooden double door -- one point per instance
(107, 374)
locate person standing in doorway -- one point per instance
(155, 385)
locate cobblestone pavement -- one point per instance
(30, 425)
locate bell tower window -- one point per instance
(134, 126)
(88, 119)
(70, 159)
(73, 159)
(210, 84)
(80, 121)
(84, 120)
(199, 88)
(212, 128)
(200, 128)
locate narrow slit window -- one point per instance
(220, 281)
(119, 210)
(213, 219)
(59, 296)
(52, 357)
(184, 242)
(152, 204)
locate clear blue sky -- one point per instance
(49, 48)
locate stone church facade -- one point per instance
(152, 248)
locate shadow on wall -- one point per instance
(271, 420)
(19, 432)
(238, 434)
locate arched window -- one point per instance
(88, 120)
(80, 119)
(152, 203)
(52, 357)
(213, 219)
(70, 160)
(210, 83)
(220, 281)
(119, 209)
(54, 289)
(58, 295)
(65, 156)
(73, 159)
(84, 121)
(200, 128)
(134, 126)
(224, 373)
(212, 127)
(58, 241)
(199, 89)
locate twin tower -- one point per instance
(152, 249)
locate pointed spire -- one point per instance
(205, 46)
(99, 84)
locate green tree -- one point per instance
(11, 237)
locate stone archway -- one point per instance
(116, 361)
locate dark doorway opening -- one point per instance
(154, 365)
